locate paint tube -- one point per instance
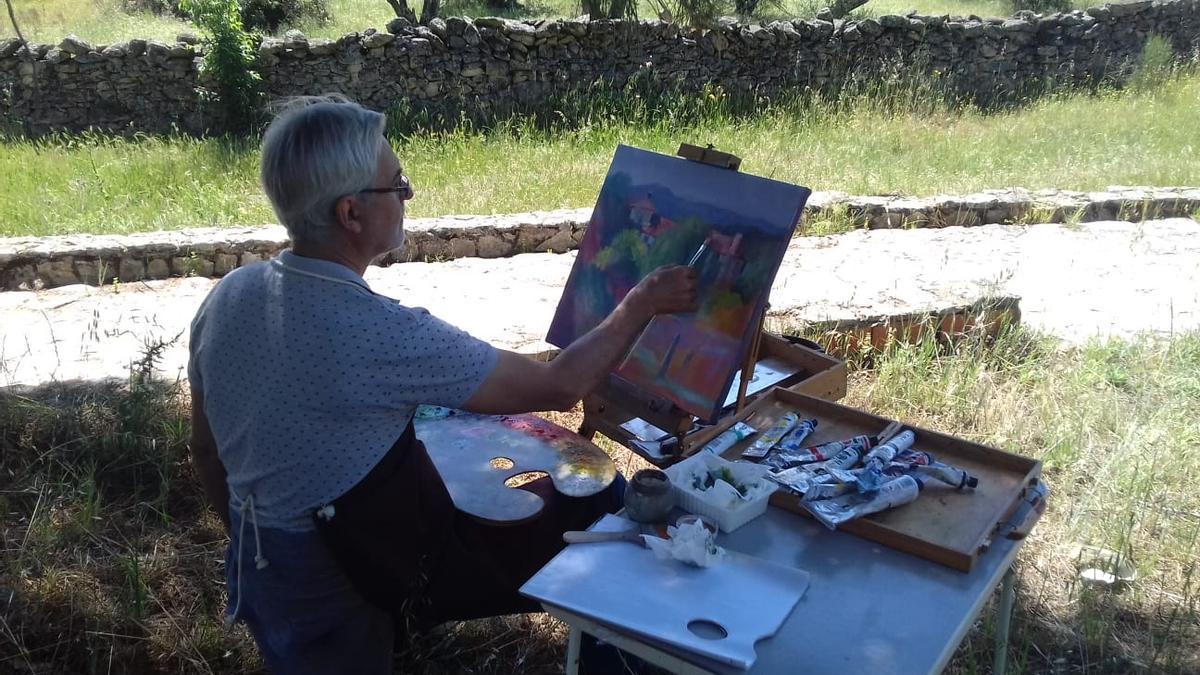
(795, 439)
(810, 486)
(830, 451)
(827, 490)
(924, 464)
(872, 475)
(849, 455)
(729, 438)
(952, 476)
(834, 512)
(763, 444)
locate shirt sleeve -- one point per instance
(430, 362)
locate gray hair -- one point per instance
(316, 151)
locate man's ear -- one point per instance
(346, 213)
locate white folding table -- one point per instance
(868, 609)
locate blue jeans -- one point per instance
(301, 610)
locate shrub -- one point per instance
(266, 15)
(229, 58)
(1042, 6)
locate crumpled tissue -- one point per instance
(690, 543)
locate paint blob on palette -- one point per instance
(656, 210)
(463, 446)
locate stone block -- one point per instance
(224, 264)
(491, 246)
(249, 258)
(462, 248)
(559, 243)
(96, 272)
(157, 268)
(131, 269)
(431, 249)
(59, 272)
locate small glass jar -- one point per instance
(648, 497)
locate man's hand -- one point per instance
(668, 290)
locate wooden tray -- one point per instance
(820, 375)
(946, 526)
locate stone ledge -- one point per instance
(33, 263)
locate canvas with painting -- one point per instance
(655, 210)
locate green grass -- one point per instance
(110, 554)
(97, 21)
(862, 145)
(102, 21)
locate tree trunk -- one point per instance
(402, 10)
(841, 8)
(430, 10)
(617, 9)
(594, 9)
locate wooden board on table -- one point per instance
(944, 525)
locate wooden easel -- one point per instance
(605, 411)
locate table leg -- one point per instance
(573, 640)
(1003, 617)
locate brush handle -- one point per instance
(578, 537)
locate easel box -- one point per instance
(944, 525)
(819, 374)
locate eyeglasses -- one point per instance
(404, 190)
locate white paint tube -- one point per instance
(763, 444)
(871, 477)
(810, 486)
(834, 512)
(729, 438)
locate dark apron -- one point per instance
(387, 532)
(406, 549)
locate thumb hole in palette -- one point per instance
(709, 630)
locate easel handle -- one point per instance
(708, 155)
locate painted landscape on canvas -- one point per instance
(657, 210)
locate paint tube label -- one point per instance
(797, 479)
(872, 474)
(834, 512)
(729, 438)
(849, 455)
(886, 452)
(786, 459)
(794, 442)
(842, 475)
(763, 444)
(827, 490)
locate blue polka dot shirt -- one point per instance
(308, 378)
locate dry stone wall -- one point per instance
(45, 262)
(484, 63)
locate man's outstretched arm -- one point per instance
(520, 384)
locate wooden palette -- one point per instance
(476, 454)
(944, 525)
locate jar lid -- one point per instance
(651, 482)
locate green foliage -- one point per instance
(1157, 64)
(229, 59)
(1043, 6)
(271, 15)
(700, 13)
